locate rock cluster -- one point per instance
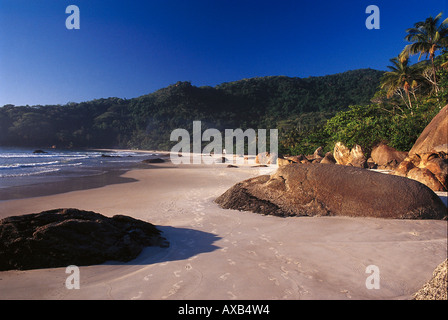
(426, 162)
(316, 157)
(63, 237)
(323, 190)
(266, 158)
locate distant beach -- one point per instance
(227, 254)
(28, 172)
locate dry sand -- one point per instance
(226, 254)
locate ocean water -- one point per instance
(21, 166)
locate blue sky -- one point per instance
(129, 48)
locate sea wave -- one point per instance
(57, 155)
(27, 165)
(12, 175)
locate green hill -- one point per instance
(147, 121)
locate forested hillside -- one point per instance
(147, 121)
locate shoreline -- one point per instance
(126, 150)
(64, 185)
(87, 176)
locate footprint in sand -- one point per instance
(284, 273)
(137, 296)
(347, 293)
(288, 293)
(178, 272)
(173, 290)
(231, 262)
(224, 276)
(232, 296)
(146, 278)
(262, 265)
(198, 219)
(274, 279)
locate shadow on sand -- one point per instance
(184, 244)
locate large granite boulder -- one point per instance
(328, 158)
(323, 190)
(63, 237)
(266, 158)
(298, 159)
(318, 153)
(434, 136)
(354, 157)
(426, 177)
(387, 157)
(341, 154)
(284, 162)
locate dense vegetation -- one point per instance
(408, 97)
(147, 121)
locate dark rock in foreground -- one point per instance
(63, 237)
(323, 190)
(155, 160)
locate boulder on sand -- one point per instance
(426, 177)
(39, 151)
(387, 157)
(153, 160)
(323, 190)
(328, 158)
(318, 153)
(434, 135)
(266, 158)
(63, 237)
(283, 162)
(354, 157)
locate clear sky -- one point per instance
(129, 48)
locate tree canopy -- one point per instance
(147, 121)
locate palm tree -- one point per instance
(426, 38)
(402, 78)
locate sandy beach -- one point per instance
(227, 254)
